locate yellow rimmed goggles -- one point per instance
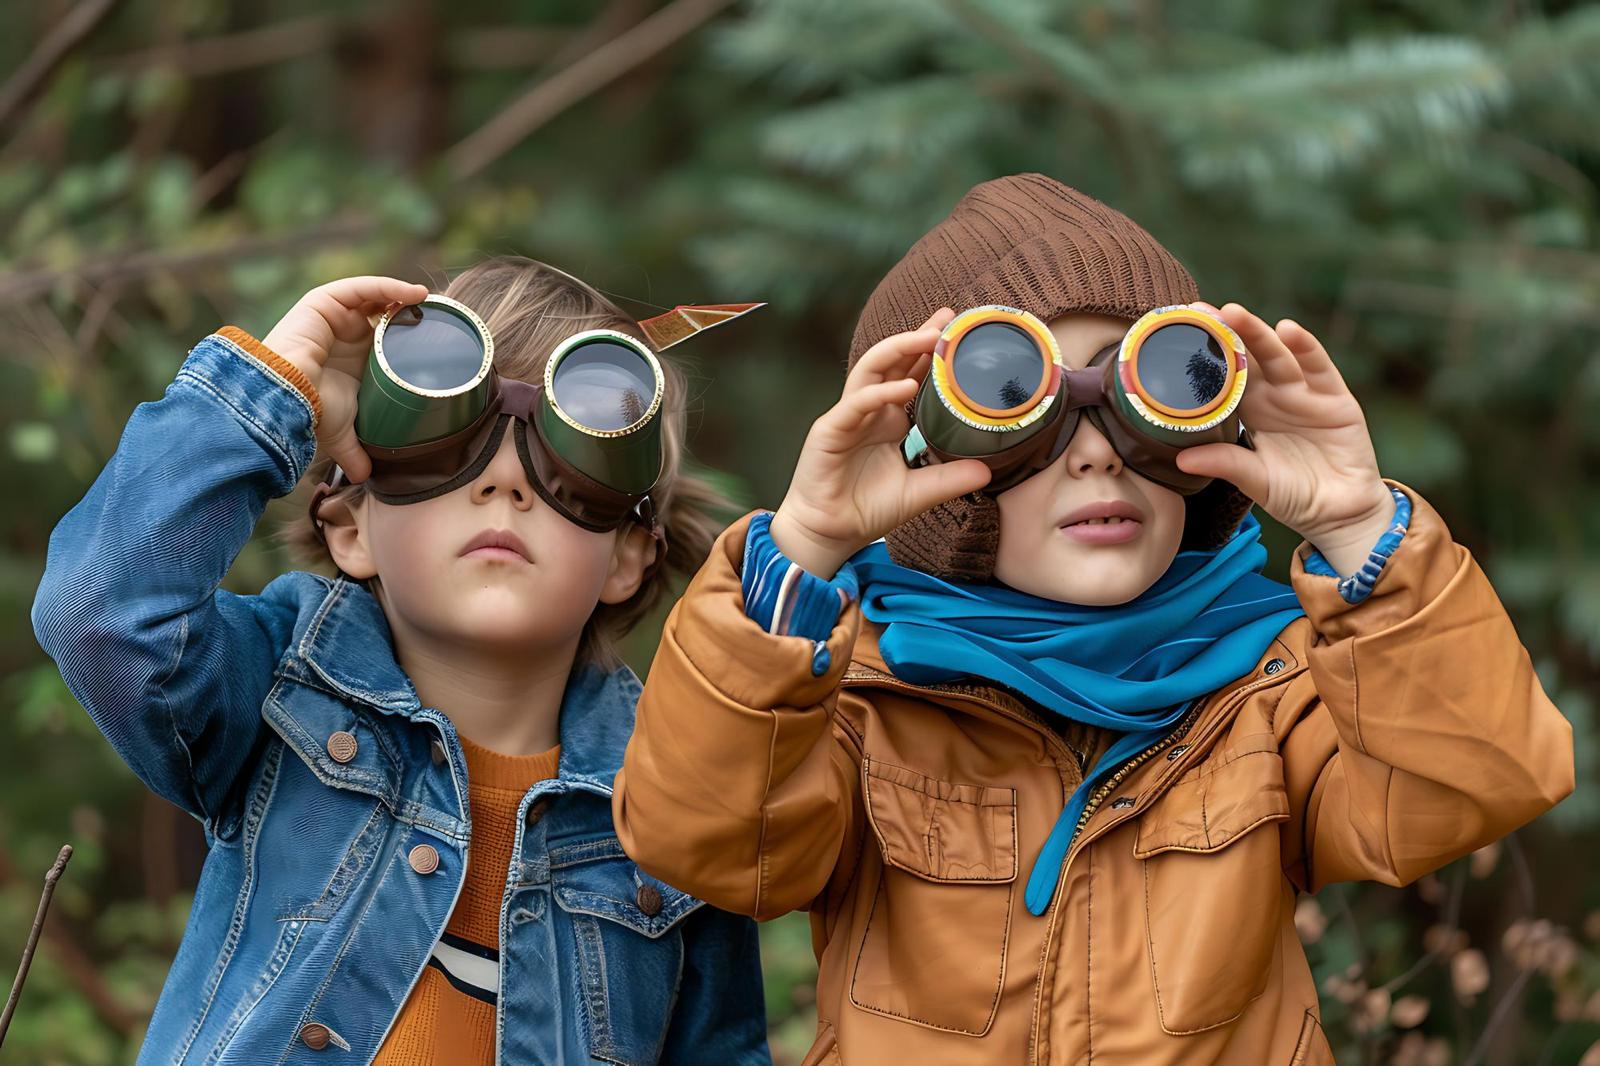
(999, 391)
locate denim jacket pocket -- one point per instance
(343, 747)
(630, 948)
(948, 849)
(1214, 886)
(329, 816)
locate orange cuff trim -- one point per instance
(277, 364)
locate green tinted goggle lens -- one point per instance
(433, 346)
(432, 414)
(604, 385)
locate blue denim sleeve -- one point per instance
(785, 599)
(721, 1013)
(1358, 586)
(171, 668)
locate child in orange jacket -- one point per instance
(1049, 767)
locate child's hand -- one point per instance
(1313, 467)
(851, 485)
(327, 335)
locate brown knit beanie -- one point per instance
(1030, 242)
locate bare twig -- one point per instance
(472, 48)
(52, 51)
(1451, 922)
(50, 878)
(259, 47)
(1502, 1011)
(503, 47)
(551, 96)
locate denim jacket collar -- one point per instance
(348, 644)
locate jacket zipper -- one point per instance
(1110, 784)
(1238, 695)
(880, 679)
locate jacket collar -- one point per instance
(348, 644)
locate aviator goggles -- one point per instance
(998, 391)
(432, 411)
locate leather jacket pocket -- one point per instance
(934, 950)
(1213, 886)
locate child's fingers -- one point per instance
(919, 369)
(858, 406)
(1230, 462)
(931, 485)
(348, 305)
(893, 356)
(361, 292)
(1315, 363)
(345, 449)
(1267, 351)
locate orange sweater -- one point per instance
(449, 1016)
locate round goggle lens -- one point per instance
(1183, 367)
(604, 385)
(431, 347)
(997, 366)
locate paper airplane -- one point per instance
(685, 320)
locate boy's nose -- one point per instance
(504, 477)
(1089, 452)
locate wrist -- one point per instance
(1347, 545)
(814, 554)
(290, 372)
(308, 366)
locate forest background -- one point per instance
(1415, 180)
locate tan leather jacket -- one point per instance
(1376, 741)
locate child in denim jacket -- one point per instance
(404, 772)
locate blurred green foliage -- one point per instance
(1414, 180)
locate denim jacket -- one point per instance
(310, 926)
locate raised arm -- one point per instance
(171, 668)
(741, 782)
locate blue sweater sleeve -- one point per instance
(1358, 586)
(783, 598)
(171, 668)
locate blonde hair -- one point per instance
(530, 307)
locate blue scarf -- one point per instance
(1134, 668)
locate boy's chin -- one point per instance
(511, 624)
(1081, 590)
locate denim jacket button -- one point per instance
(649, 899)
(342, 746)
(424, 858)
(314, 1035)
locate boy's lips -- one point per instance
(497, 544)
(1103, 522)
